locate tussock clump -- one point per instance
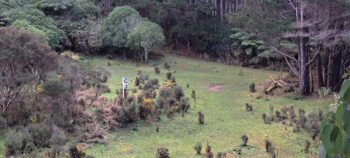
(169, 76)
(194, 96)
(252, 88)
(266, 118)
(200, 118)
(248, 107)
(162, 152)
(167, 66)
(137, 81)
(307, 146)
(198, 148)
(244, 140)
(209, 153)
(184, 103)
(221, 155)
(157, 70)
(270, 149)
(187, 85)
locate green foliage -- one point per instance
(18, 142)
(146, 35)
(55, 6)
(41, 134)
(248, 48)
(34, 20)
(118, 25)
(54, 86)
(336, 127)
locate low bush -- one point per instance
(198, 148)
(162, 152)
(200, 118)
(252, 88)
(18, 142)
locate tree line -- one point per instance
(308, 37)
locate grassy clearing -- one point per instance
(225, 117)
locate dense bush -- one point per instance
(162, 152)
(118, 25)
(18, 142)
(35, 21)
(55, 6)
(41, 134)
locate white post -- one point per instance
(125, 85)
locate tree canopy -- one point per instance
(146, 35)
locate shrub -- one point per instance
(162, 152)
(18, 142)
(54, 86)
(248, 107)
(151, 84)
(178, 92)
(167, 66)
(75, 151)
(209, 153)
(322, 92)
(3, 123)
(184, 103)
(128, 114)
(38, 23)
(169, 76)
(41, 134)
(57, 141)
(252, 88)
(244, 140)
(193, 95)
(200, 118)
(198, 148)
(266, 118)
(118, 25)
(157, 70)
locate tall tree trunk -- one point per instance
(319, 72)
(304, 77)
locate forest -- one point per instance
(174, 78)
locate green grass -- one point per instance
(225, 117)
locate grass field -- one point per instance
(224, 109)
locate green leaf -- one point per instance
(339, 115)
(345, 91)
(337, 140)
(332, 139)
(326, 132)
(346, 146)
(346, 120)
